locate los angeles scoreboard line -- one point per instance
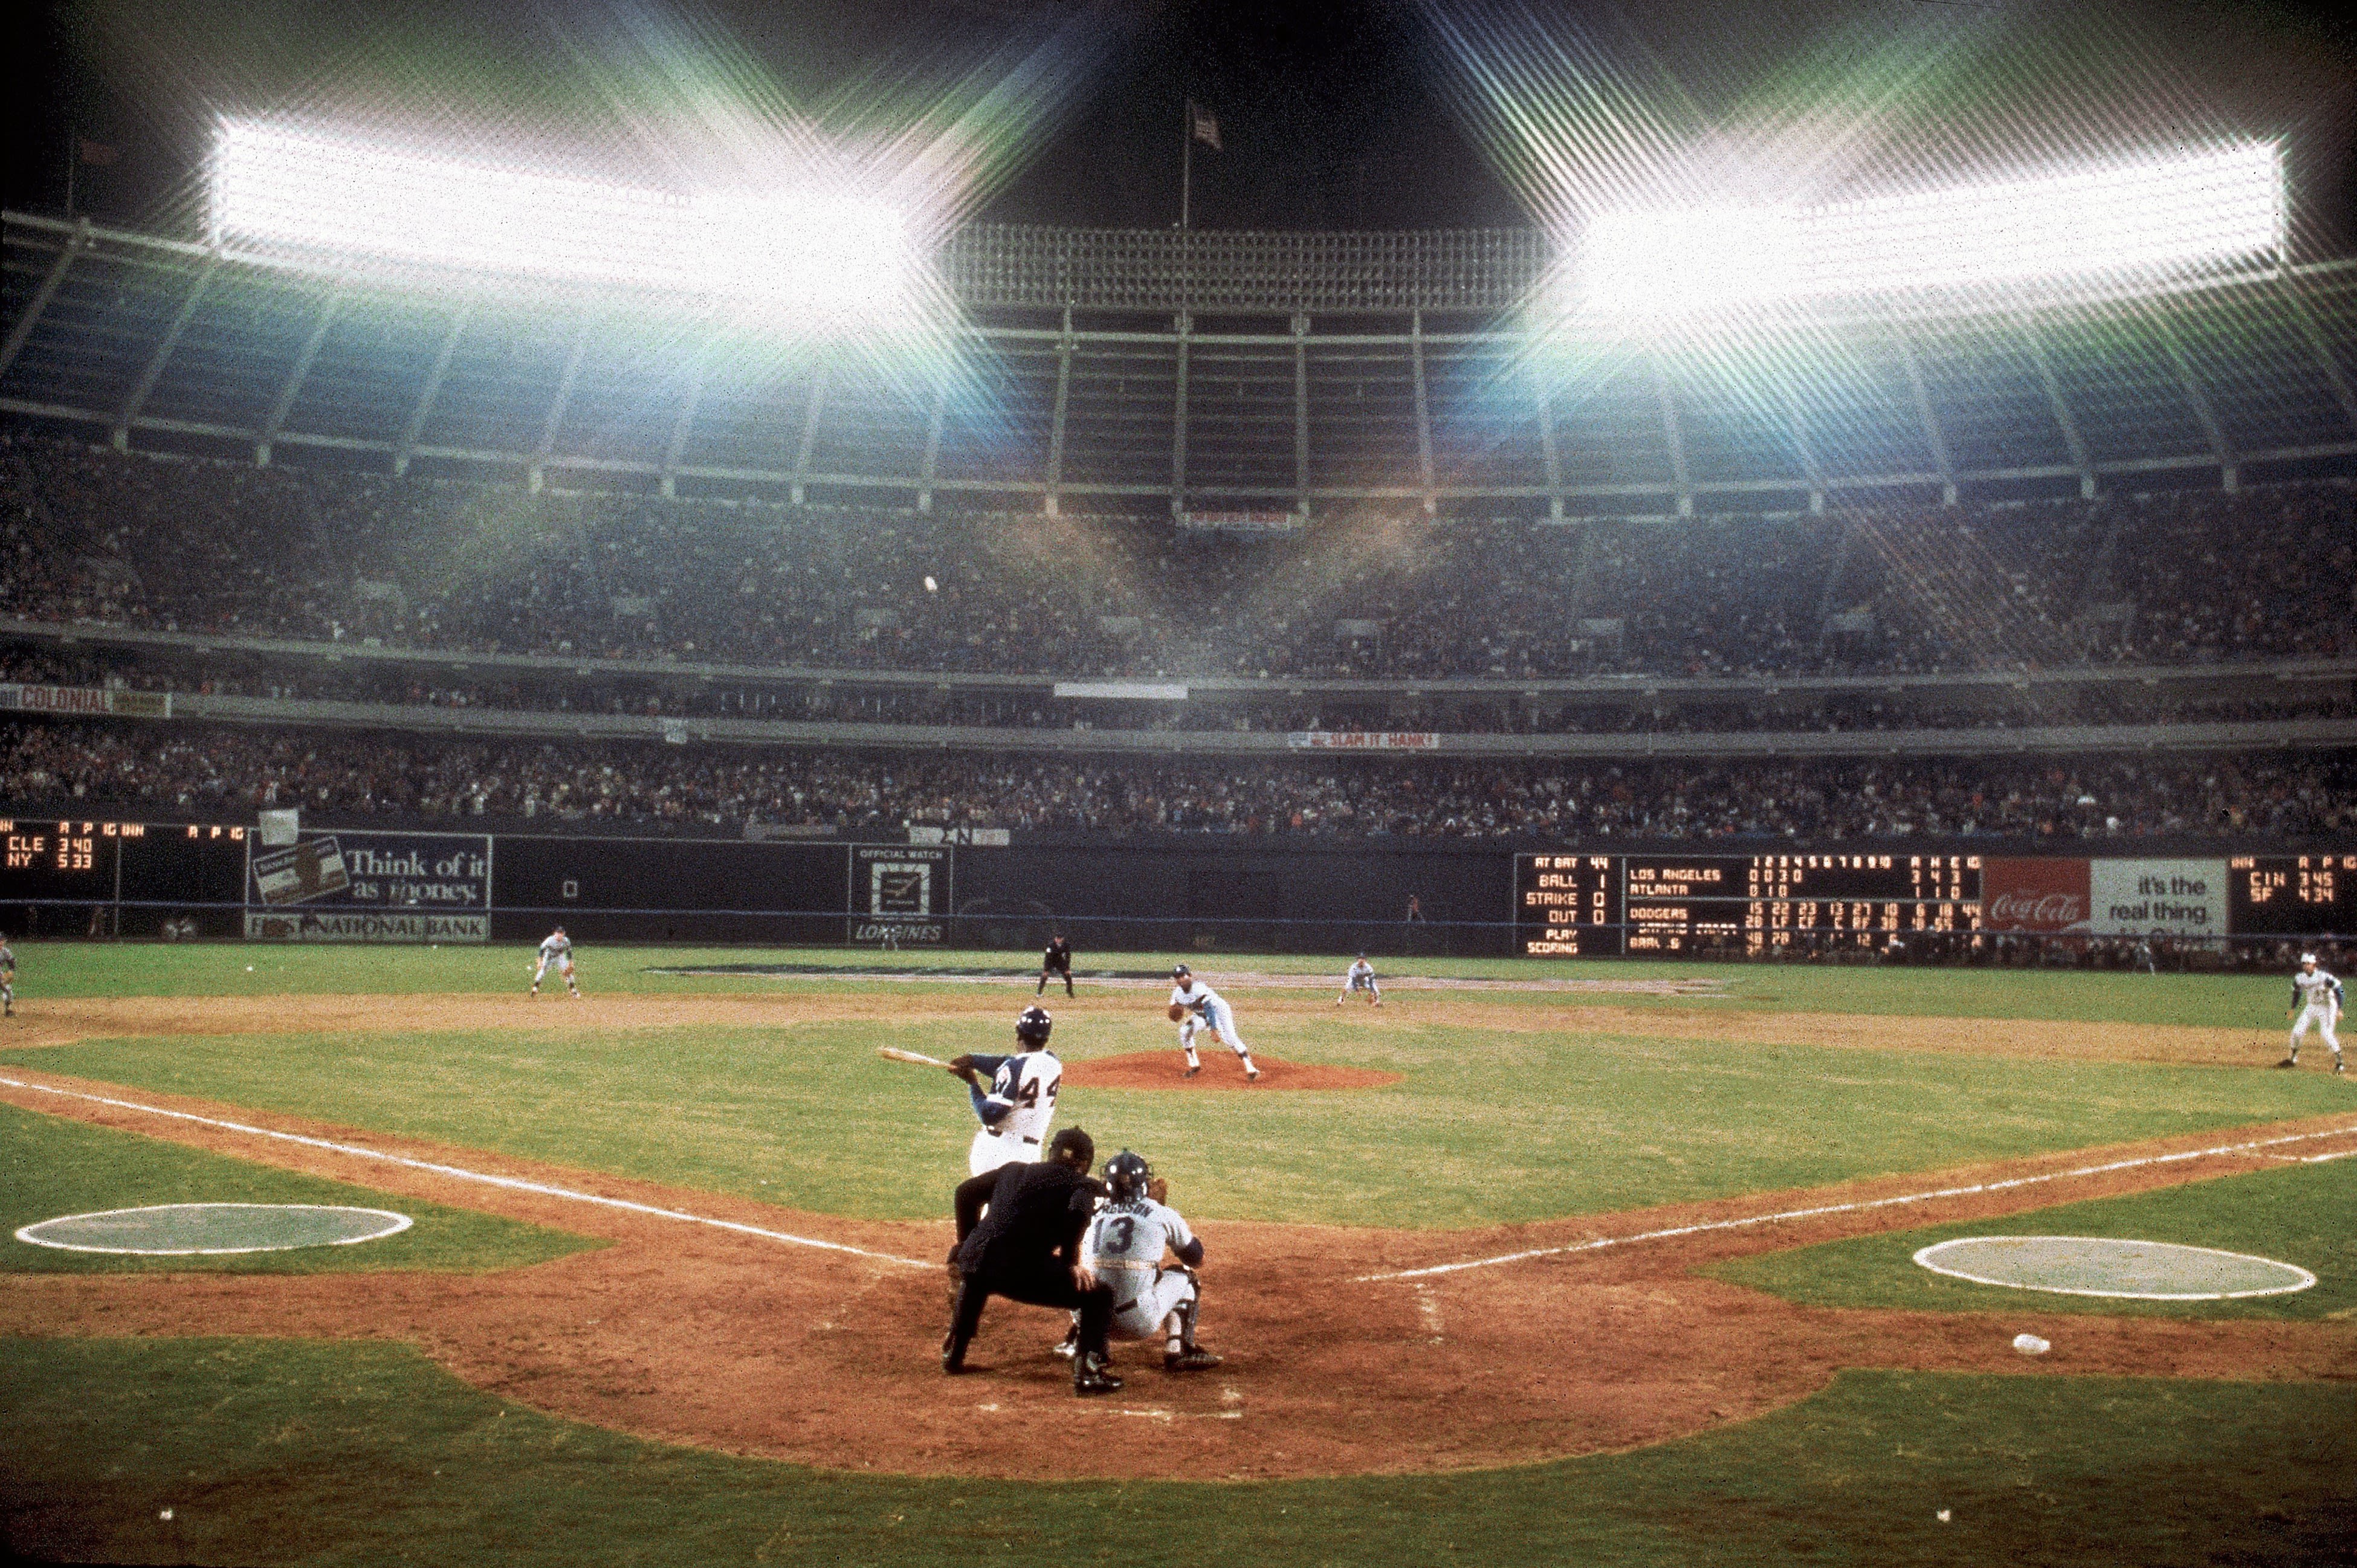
(1604, 904)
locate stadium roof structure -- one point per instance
(1134, 371)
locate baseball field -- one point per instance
(1538, 1263)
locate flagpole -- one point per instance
(1186, 163)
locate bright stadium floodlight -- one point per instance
(2197, 211)
(807, 252)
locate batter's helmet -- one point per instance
(1126, 1174)
(1182, 973)
(1033, 1025)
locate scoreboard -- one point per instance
(108, 862)
(1582, 905)
(2291, 894)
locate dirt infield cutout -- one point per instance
(211, 1230)
(2112, 1266)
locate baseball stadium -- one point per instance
(1412, 782)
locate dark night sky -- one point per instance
(1335, 114)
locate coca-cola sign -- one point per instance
(2035, 895)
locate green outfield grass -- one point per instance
(212, 969)
(2295, 1214)
(309, 1454)
(1490, 1126)
(50, 1167)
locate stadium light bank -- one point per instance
(822, 258)
(2190, 214)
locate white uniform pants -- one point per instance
(991, 1150)
(563, 962)
(1221, 1021)
(2319, 1018)
(1143, 1299)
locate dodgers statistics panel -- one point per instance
(1568, 906)
(105, 862)
(2291, 894)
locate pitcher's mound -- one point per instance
(1167, 1069)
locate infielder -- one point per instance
(1020, 1101)
(555, 947)
(1055, 959)
(8, 980)
(1196, 1006)
(1360, 978)
(1124, 1246)
(2317, 999)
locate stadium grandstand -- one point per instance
(1795, 525)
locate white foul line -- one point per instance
(512, 1184)
(1863, 1205)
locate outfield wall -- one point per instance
(1206, 892)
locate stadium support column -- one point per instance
(1932, 436)
(1796, 419)
(2072, 439)
(933, 462)
(537, 475)
(296, 374)
(680, 425)
(1301, 413)
(154, 370)
(54, 278)
(1550, 457)
(1063, 407)
(1423, 413)
(2292, 301)
(2199, 396)
(810, 414)
(1185, 325)
(1673, 436)
(431, 389)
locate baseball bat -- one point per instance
(895, 1054)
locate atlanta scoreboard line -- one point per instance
(1571, 905)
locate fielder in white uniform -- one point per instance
(1020, 1101)
(8, 978)
(2317, 999)
(1360, 978)
(555, 947)
(1206, 1009)
(1123, 1246)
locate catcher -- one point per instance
(1123, 1248)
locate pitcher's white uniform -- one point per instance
(1362, 977)
(1206, 1009)
(1124, 1246)
(556, 948)
(1016, 1112)
(2318, 997)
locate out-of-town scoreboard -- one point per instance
(1568, 906)
(112, 862)
(2291, 894)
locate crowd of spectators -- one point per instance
(198, 768)
(242, 674)
(90, 533)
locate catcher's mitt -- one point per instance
(1177, 1012)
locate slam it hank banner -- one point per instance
(367, 886)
